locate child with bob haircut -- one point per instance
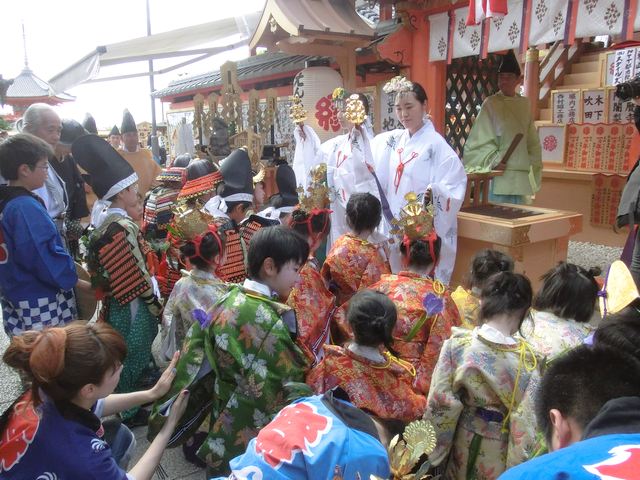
(248, 340)
(37, 275)
(373, 377)
(54, 429)
(354, 261)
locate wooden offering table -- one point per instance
(536, 238)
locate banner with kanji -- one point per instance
(438, 36)
(607, 190)
(505, 32)
(548, 20)
(466, 39)
(599, 147)
(599, 17)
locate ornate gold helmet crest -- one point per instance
(317, 195)
(416, 219)
(189, 222)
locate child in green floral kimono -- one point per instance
(239, 354)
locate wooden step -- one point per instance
(586, 67)
(588, 78)
(544, 115)
(591, 56)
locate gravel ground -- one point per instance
(584, 254)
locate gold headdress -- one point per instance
(397, 84)
(189, 222)
(355, 111)
(297, 112)
(416, 220)
(317, 195)
(418, 439)
(618, 291)
(338, 93)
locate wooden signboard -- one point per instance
(617, 110)
(553, 143)
(594, 106)
(388, 120)
(566, 106)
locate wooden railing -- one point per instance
(555, 65)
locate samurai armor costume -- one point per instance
(37, 275)
(382, 388)
(117, 261)
(315, 437)
(157, 207)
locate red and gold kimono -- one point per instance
(313, 303)
(383, 389)
(351, 265)
(417, 336)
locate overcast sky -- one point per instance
(61, 32)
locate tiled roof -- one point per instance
(27, 85)
(249, 68)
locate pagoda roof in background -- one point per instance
(28, 87)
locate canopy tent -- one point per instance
(195, 43)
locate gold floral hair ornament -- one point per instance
(297, 112)
(317, 195)
(416, 220)
(397, 85)
(189, 222)
(338, 93)
(355, 111)
(418, 439)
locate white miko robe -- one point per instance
(345, 175)
(305, 154)
(429, 163)
(347, 157)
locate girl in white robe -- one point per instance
(418, 159)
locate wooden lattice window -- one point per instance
(469, 81)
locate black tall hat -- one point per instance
(128, 124)
(114, 131)
(238, 180)
(89, 124)
(71, 131)
(287, 195)
(509, 64)
(110, 173)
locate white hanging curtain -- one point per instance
(600, 18)
(548, 21)
(505, 32)
(466, 38)
(438, 36)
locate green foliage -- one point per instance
(4, 125)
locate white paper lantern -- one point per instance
(314, 85)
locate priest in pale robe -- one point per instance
(140, 159)
(417, 159)
(504, 116)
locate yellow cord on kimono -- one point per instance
(403, 363)
(523, 349)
